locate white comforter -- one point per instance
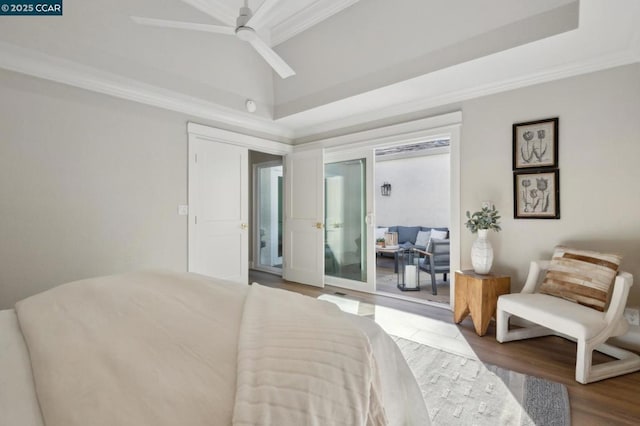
(159, 348)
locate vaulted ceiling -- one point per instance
(356, 61)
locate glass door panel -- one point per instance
(345, 220)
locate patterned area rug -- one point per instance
(464, 391)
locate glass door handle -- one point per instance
(368, 219)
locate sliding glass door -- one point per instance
(348, 232)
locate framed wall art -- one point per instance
(536, 194)
(535, 144)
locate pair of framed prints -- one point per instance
(536, 177)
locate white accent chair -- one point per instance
(588, 327)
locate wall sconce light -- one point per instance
(385, 189)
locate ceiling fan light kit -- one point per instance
(246, 33)
(243, 31)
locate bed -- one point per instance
(162, 348)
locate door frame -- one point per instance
(431, 128)
(445, 126)
(199, 132)
(255, 217)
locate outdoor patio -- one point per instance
(387, 280)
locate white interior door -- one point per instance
(218, 210)
(304, 214)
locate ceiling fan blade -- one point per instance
(272, 58)
(259, 15)
(216, 10)
(218, 29)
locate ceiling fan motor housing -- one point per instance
(242, 31)
(243, 18)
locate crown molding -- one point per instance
(306, 18)
(40, 65)
(44, 66)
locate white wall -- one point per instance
(420, 191)
(599, 149)
(89, 185)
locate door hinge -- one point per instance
(196, 219)
(196, 158)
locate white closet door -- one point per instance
(218, 210)
(304, 218)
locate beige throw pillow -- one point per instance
(581, 276)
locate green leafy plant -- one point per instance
(487, 218)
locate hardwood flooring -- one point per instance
(609, 402)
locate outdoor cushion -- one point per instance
(581, 276)
(438, 234)
(423, 238)
(408, 234)
(442, 257)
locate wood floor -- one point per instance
(614, 401)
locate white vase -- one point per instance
(482, 253)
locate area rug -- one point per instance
(464, 391)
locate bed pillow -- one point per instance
(581, 276)
(380, 232)
(438, 234)
(423, 238)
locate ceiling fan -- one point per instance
(243, 29)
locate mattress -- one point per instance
(18, 402)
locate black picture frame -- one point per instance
(535, 144)
(536, 194)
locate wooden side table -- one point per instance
(477, 295)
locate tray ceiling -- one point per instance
(356, 61)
